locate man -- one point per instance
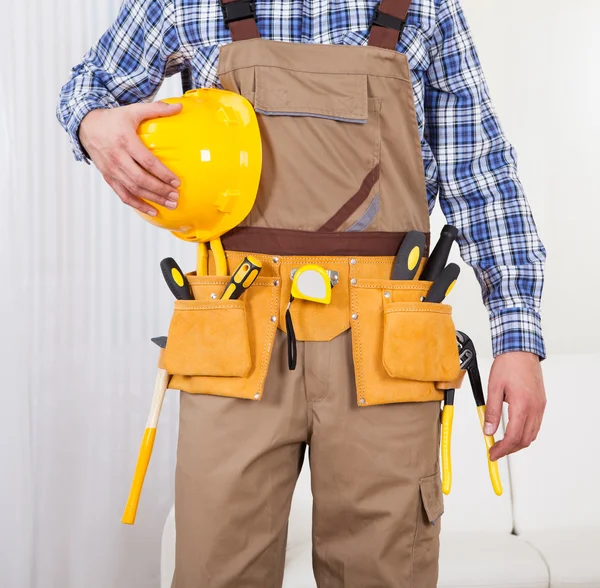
(348, 170)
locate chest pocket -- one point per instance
(321, 149)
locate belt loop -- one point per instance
(388, 23)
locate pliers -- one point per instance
(468, 362)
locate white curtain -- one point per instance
(81, 295)
(82, 292)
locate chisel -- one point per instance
(409, 256)
(443, 284)
(243, 277)
(176, 280)
(439, 256)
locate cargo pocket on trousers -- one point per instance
(222, 347)
(419, 342)
(427, 534)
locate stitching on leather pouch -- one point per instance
(354, 305)
(265, 358)
(233, 305)
(434, 310)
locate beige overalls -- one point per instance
(342, 184)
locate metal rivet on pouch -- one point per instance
(276, 260)
(354, 316)
(362, 400)
(353, 261)
(386, 294)
(276, 283)
(213, 296)
(256, 396)
(353, 281)
(273, 319)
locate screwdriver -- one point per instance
(409, 256)
(243, 277)
(176, 280)
(443, 284)
(439, 256)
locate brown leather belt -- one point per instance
(290, 242)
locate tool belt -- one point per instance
(404, 350)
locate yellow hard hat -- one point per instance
(213, 146)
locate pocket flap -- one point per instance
(419, 342)
(432, 497)
(292, 93)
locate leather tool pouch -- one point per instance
(222, 347)
(403, 348)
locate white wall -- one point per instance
(82, 293)
(541, 61)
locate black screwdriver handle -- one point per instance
(443, 284)
(439, 256)
(409, 256)
(176, 280)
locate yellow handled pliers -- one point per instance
(468, 362)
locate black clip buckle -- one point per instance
(239, 10)
(388, 21)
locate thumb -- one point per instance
(158, 109)
(493, 408)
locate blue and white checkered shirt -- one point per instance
(468, 161)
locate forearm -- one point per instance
(479, 188)
(126, 66)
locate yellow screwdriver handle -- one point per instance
(242, 278)
(492, 465)
(447, 418)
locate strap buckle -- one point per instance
(388, 21)
(238, 10)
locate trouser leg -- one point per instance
(375, 483)
(237, 464)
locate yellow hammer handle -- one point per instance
(160, 388)
(492, 465)
(447, 418)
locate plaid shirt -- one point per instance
(469, 164)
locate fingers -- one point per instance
(513, 437)
(143, 184)
(142, 112)
(493, 408)
(128, 198)
(142, 155)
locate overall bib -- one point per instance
(342, 184)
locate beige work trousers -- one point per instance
(374, 470)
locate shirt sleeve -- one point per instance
(479, 188)
(127, 65)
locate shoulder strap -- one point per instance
(388, 23)
(240, 19)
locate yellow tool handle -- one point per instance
(242, 278)
(138, 479)
(219, 256)
(447, 418)
(202, 264)
(160, 388)
(492, 465)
